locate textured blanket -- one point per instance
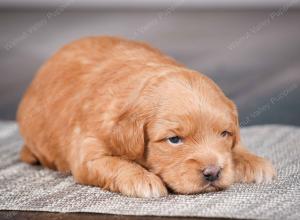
(25, 187)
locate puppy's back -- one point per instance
(76, 85)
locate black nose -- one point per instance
(211, 173)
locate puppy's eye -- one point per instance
(175, 140)
(226, 134)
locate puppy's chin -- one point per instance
(211, 187)
(203, 188)
(190, 184)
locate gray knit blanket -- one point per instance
(34, 188)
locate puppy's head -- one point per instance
(189, 131)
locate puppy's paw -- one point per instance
(254, 169)
(144, 184)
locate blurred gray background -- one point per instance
(250, 48)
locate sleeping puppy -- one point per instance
(120, 115)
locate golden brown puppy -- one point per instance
(121, 115)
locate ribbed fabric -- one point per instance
(25, 187)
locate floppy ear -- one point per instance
(128, 135)
(237, 141)
(234, 114)
(237, 145)
(129, 132)
(240, 152)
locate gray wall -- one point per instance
(252, 54)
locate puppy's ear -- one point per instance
(237, 145)
(128, 135)
(129, 132)
(237, 140)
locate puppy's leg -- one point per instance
(251, 168)
(118, 175)
(27, 156)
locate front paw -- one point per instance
(254, 169)
(143, 184)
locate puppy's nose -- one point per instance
(211, 173)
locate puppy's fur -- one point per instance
(104, 108)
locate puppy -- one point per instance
(120, 115)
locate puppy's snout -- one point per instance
(211, 173)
